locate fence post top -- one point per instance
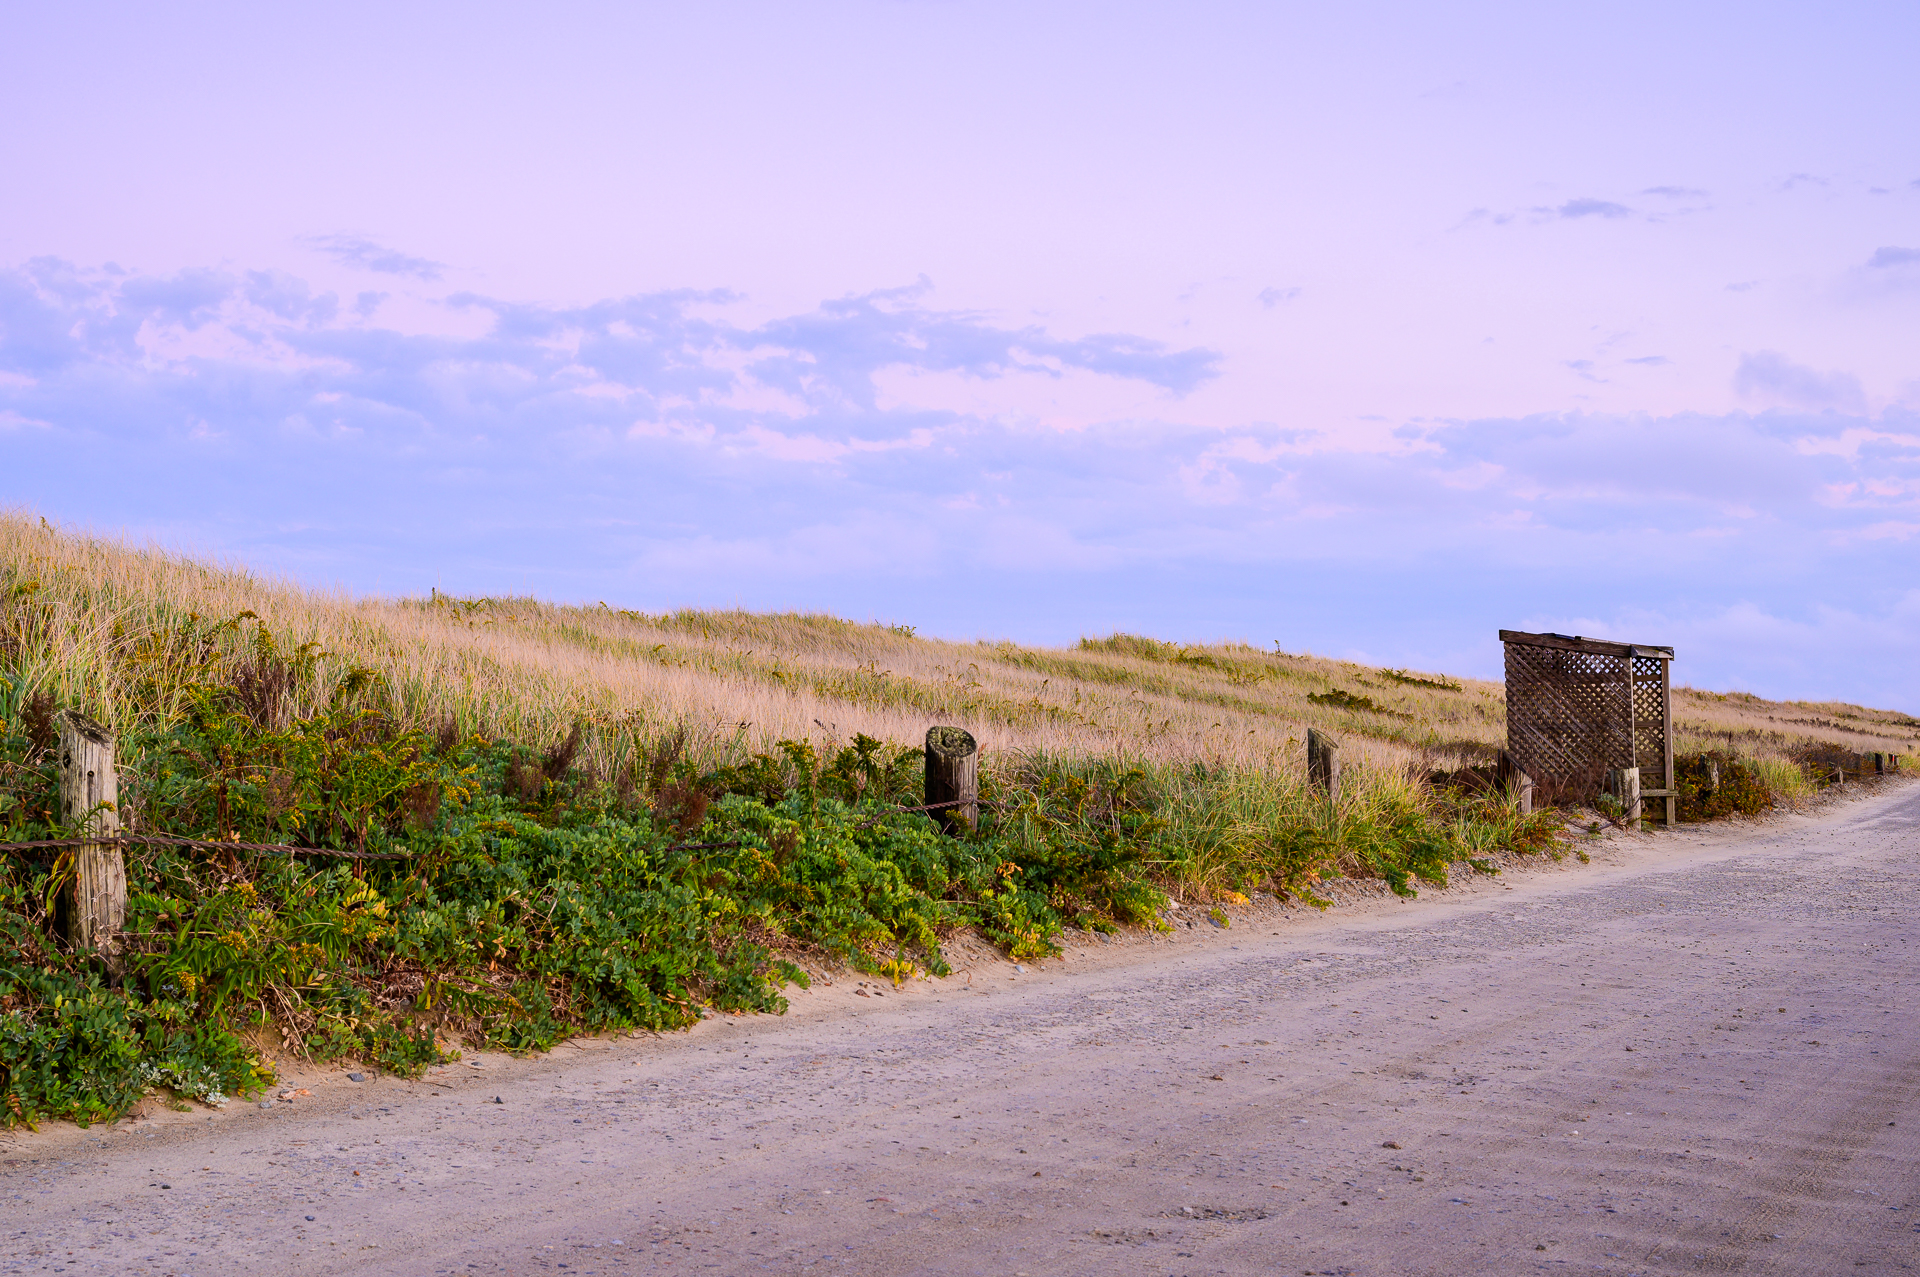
(78, 722)
(950, 742)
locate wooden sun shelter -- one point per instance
(1584, 712)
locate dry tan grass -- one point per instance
(78, 606)
(1747, 724)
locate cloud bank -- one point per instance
(654, 452)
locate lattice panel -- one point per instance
(1649, 721)
(1566, 712)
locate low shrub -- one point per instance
(1717, 784)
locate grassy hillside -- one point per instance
(553, 818)
(107, 626)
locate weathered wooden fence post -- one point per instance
(90, 793)
(953, 776)
(1626, 787)
(1521, 784)
(1323, 763)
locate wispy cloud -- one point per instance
(190, 298)
(1593, 208)
(361, 252)
(1771, 377)
(1890, 256)
(839, 348)
(288, 297)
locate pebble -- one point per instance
(356, 1077)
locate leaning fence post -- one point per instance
(90, 796)
(953, 776)
(1323, 763)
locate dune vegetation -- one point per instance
(549, 819)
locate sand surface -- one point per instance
(1698, 1053)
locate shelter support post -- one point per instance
(1626, 787)
(1517, 782)
(1666, 714)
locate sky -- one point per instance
(1362, 329)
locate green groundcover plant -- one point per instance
(502, 893)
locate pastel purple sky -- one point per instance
(1367, 329)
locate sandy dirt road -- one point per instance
(1698, 1054)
